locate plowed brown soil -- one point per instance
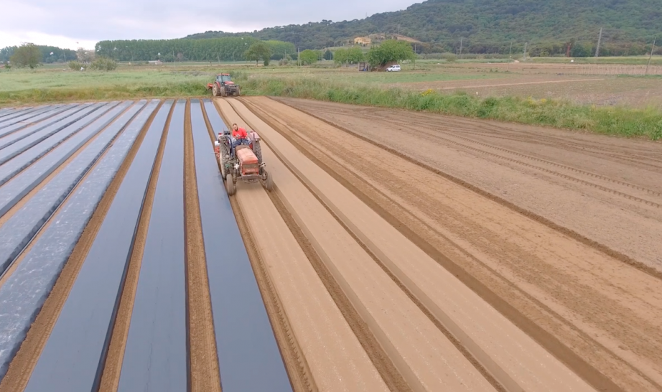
(490, 340)
(572, 179)
(334, 355)
(596, 305)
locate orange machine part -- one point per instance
(246, 156)
(248, 161)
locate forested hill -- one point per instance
(488, 25)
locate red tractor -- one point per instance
(241, 159)
(223, 86)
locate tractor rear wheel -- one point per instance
(257, 150)
(229, 185)
(214, 91)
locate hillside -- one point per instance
(490, 25)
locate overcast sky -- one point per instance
(74, 23)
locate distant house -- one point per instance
(364, 41)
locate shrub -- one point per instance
(309, 56)
(104, 64)
(449, 57)
(75, 65)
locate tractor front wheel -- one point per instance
(223, 92)
(225, 158)
(229, 185)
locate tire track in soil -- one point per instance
(638, 156)
(372, 142)
(426, 127)
(387, 370)
(450, 335)
(203, 365)
(26, 359)
(295, 362)
(111, 372)
(423, 355)
(530, 214)
(543, 161)
(306, 149)
(361, 330)
(493, 129)
(377, 354)
(543, 336)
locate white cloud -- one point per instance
(65, 22)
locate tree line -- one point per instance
(168, 50)
(47, 54)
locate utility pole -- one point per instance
(597, 49)
(524, 54)
(460, 47)
(650, 57)
(510, 52)
(298, 57)
(414, 56)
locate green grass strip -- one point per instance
(619, 121)
(36, 96)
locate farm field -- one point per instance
(399, 251)
(601, 84)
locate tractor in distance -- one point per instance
(223, 86)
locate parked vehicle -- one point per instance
(393, 68)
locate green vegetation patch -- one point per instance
(44, 95)
(560, 114)
(16, 80)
